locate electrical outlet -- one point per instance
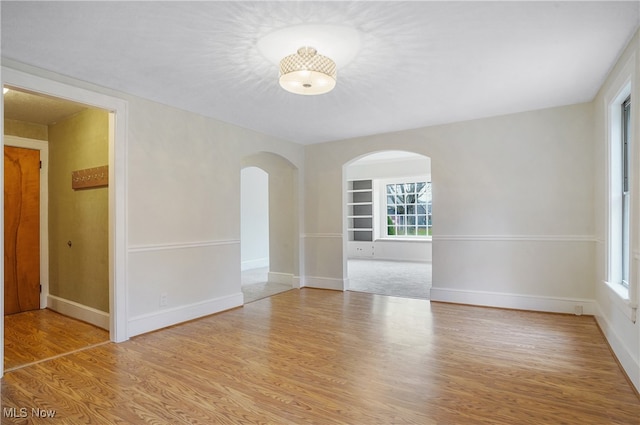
(578, 310)
(163, 299)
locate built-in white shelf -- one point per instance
(360, 210)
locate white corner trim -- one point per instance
(514, 301)
(172, 316)
(324, 283)
(25, 142)
(630, 364)
(79, 311)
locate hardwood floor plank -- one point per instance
(323, 357)
(40, 334)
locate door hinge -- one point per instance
(41, 288)
(40, 164)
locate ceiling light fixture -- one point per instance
(308, 73)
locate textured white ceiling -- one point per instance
(38, 109)
(420, 63)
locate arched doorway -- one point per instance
(269, 226)
(388, 208)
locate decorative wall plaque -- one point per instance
(90, 178)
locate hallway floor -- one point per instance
(34, 336)
(255, 286)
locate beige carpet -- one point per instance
(396, 278)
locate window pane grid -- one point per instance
(409, 209)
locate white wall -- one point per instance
(254, 218)
(615, 314)
(388, 168)
(513, 225)
(184, 236)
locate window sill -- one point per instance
(619, 296)
(426, 239)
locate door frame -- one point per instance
(43, 147)
(118, 116)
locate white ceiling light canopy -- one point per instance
(308, 73)
(321, 50)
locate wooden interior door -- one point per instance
(21, 229)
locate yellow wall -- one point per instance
(79, 272)
(25, 129)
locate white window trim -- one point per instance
(380, 206)
(624, 297)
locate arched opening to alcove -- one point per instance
(388, 235)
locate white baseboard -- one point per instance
(277, 277)
(324, 283)
(514, 301)
(258, 263)
(164, 318)
(78, 311)
(628, 363)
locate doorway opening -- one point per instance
(388, 208)
(81, 269)
(56, 234)
(269, 217)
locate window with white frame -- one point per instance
(620, 178)
(408, 209)
(621, 216)
(625, 195)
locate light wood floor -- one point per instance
(41, 334)
(325, 357)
